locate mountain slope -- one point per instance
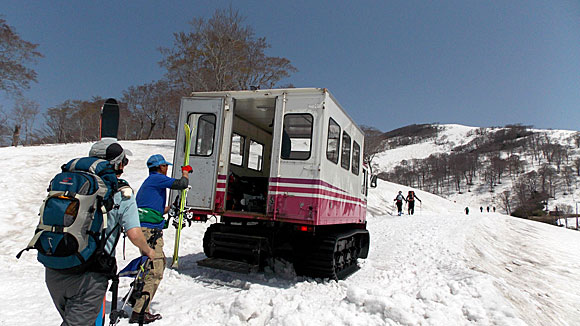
(503, 157)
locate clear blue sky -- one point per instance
(389, 63)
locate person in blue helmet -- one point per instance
(151, 201)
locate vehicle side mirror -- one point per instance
(374, 181)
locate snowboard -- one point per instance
(183, 197)
(109, 126)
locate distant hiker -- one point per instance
(79, 296)
(488, 209)
(399, 201)
(466, 210)
(151, 200)
(481, 208)
(411, 202)
(494, 209)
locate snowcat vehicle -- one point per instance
(283, 169)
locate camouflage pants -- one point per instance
(155, 274)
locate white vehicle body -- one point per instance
(240, 133)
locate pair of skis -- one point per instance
(182, 199)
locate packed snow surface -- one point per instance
(437, 267)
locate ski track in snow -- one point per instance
(438, 267)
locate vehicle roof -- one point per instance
(240, 94)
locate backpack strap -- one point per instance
(30, 244)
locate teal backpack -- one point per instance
(72, 231)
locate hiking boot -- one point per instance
(147, 318)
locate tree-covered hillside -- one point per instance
(517, 168)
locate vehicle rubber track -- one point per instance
(207, 238)
(331, 256)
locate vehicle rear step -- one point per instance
(229, 265)
(236, 248)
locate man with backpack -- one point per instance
(79, 296)
(399, 201)
(151, 200)
(411, 201)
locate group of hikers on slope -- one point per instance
(410, 200)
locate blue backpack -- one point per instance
(73, 217)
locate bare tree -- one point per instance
(58, 127)
(568, 177)
(526, 193)
(437, 165)
(473, 164)
(566, 209)
(4, 130)
(515, 166)
(23, 117)
(521, 193)
(498, 165)
(577, 139)
(546, 172)
(490, 177)
(373, 145)
(535, 144)
(127, 122)
(15, 53)
(86, 115)
(456, 168)
(153, 104)
(505, 199)
(222, 54)
(559, 154)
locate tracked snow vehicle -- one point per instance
(283, 170)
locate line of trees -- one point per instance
(216, 54)
(16, 75)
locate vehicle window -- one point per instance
(256, 155)
(333, 143)
(205, 134)
(297, 136)
(345, 155)
(237, 152)
(355, 157)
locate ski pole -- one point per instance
(115, 314)
(138, 281)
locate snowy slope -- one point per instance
(438, 267)
(453, 135)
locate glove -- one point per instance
(187, 169)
